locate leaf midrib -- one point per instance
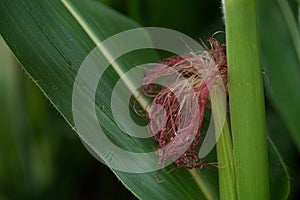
(89, 31)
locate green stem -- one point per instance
(247, 110)
(227, 182)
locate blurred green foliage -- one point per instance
(41, 157)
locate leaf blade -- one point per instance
(279, 177)
(59, 44)
(282, 63)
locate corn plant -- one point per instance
(52, 39)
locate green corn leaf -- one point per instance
(279, 177)
(51, 40)
(280, 39)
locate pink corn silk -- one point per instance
(200, 69)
